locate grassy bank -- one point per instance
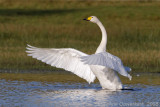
(133, 31)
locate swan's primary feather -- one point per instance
(66, 58)
(108, 60)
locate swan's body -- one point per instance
(102, 64)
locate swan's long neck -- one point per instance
(102, 46)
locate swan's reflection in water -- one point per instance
(140, 96)
(32, 93)
(75, 97)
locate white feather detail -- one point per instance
(108, 60)
(66, 58)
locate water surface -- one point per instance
(65, 89)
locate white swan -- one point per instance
(102, 64)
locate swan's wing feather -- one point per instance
(128, 69)
(66, 58)
(108, 60)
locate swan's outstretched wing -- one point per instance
(108, 60)
(66, 58)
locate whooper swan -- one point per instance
(102, 64)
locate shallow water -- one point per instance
(65, 89)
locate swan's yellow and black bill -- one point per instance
(88, 19)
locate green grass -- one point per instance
(133, 30)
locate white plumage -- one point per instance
(66, 58)
(108, 60)
(102, 64)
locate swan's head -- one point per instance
(93, 19)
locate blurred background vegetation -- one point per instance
(133, 30)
